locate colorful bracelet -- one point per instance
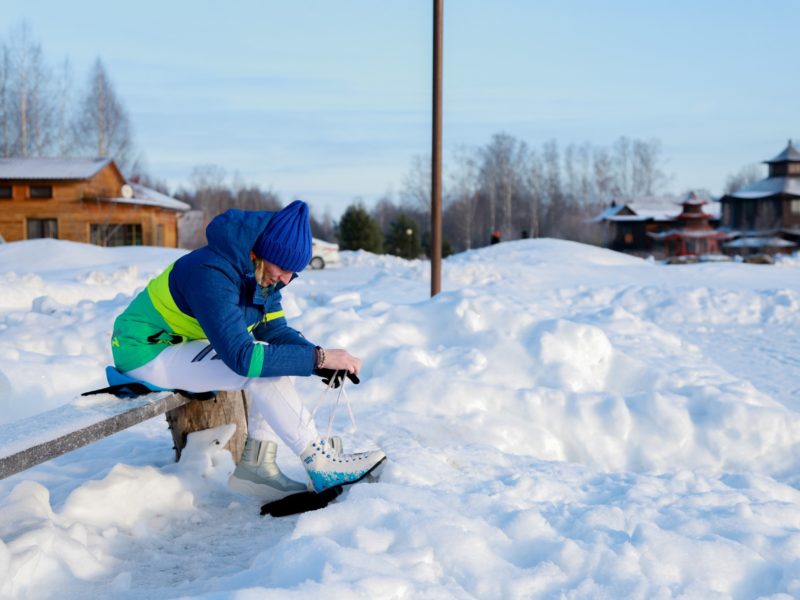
(320, 357)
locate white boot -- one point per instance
(326, 467)
(257, 473)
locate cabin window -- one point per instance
(116, 234)
(5, 192)
(41, 191)
(42, 228)
(795, 207)
(794, 168)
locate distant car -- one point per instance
(323, 253)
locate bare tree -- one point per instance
(63, 96)
(501, 171)
(5, 100)
(325, 228)
(622, 167)
(742, 178)
(416, 189)
(384, 212)
(102, 126)
(637, 166)
(604, 178)
(647, 176)
(536, 193)
(29, 104)
(464, 196)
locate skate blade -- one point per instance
(375, 473)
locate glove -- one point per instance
(327, 374)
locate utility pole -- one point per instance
(436, 153)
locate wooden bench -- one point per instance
(36, 439)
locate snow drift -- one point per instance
(561, 419)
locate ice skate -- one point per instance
(327, 467)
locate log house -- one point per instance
(83, 200)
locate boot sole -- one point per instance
(260, 491)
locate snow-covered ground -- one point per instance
(561, 421)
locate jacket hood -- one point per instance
(233, 234)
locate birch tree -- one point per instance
(27, 95)
(102, 127)
(501, 170)
(5, 102)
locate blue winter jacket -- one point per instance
(211, 293)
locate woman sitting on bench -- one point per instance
(213, 321)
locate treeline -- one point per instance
(504, 188)
(41, 113)
(212, 192)
(511, 190)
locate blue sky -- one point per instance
(330, 100)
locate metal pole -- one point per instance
(436, 152)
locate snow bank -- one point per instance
(560, 421)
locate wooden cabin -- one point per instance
(766, 214)
(633, 226)
(83, 200)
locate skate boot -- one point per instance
(327, 468)
(257, 473)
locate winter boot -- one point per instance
(257, 473)
(326, 467)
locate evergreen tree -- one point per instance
(359, 231)
(447, 247)
(403, 238)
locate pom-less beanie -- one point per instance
(286, 240)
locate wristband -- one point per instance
(320, 357)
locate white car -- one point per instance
(323, 254)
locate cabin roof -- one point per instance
(50, 168)
(789, 154)
(769, 187)
(656, 208)
(146, 196)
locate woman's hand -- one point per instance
(341, 360)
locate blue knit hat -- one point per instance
(286, 240)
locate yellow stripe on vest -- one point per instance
(179, 322)
(273, 315)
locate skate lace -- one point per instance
(333, 402)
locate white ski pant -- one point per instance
(274, 403)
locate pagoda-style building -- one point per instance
(765, 216)
(694, 236)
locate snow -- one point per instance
(561, 421)
(770, 186)
(50, 168)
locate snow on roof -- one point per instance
(789, 154)
(146, 196)
(769, 187)
(50, 168)
(657, 208)
(607, 213)
(760, 242)
(690, 233)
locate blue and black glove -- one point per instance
(337, 376)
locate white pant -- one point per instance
(274, 403)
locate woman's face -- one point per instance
(268, 273)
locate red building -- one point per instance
(695, 236)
